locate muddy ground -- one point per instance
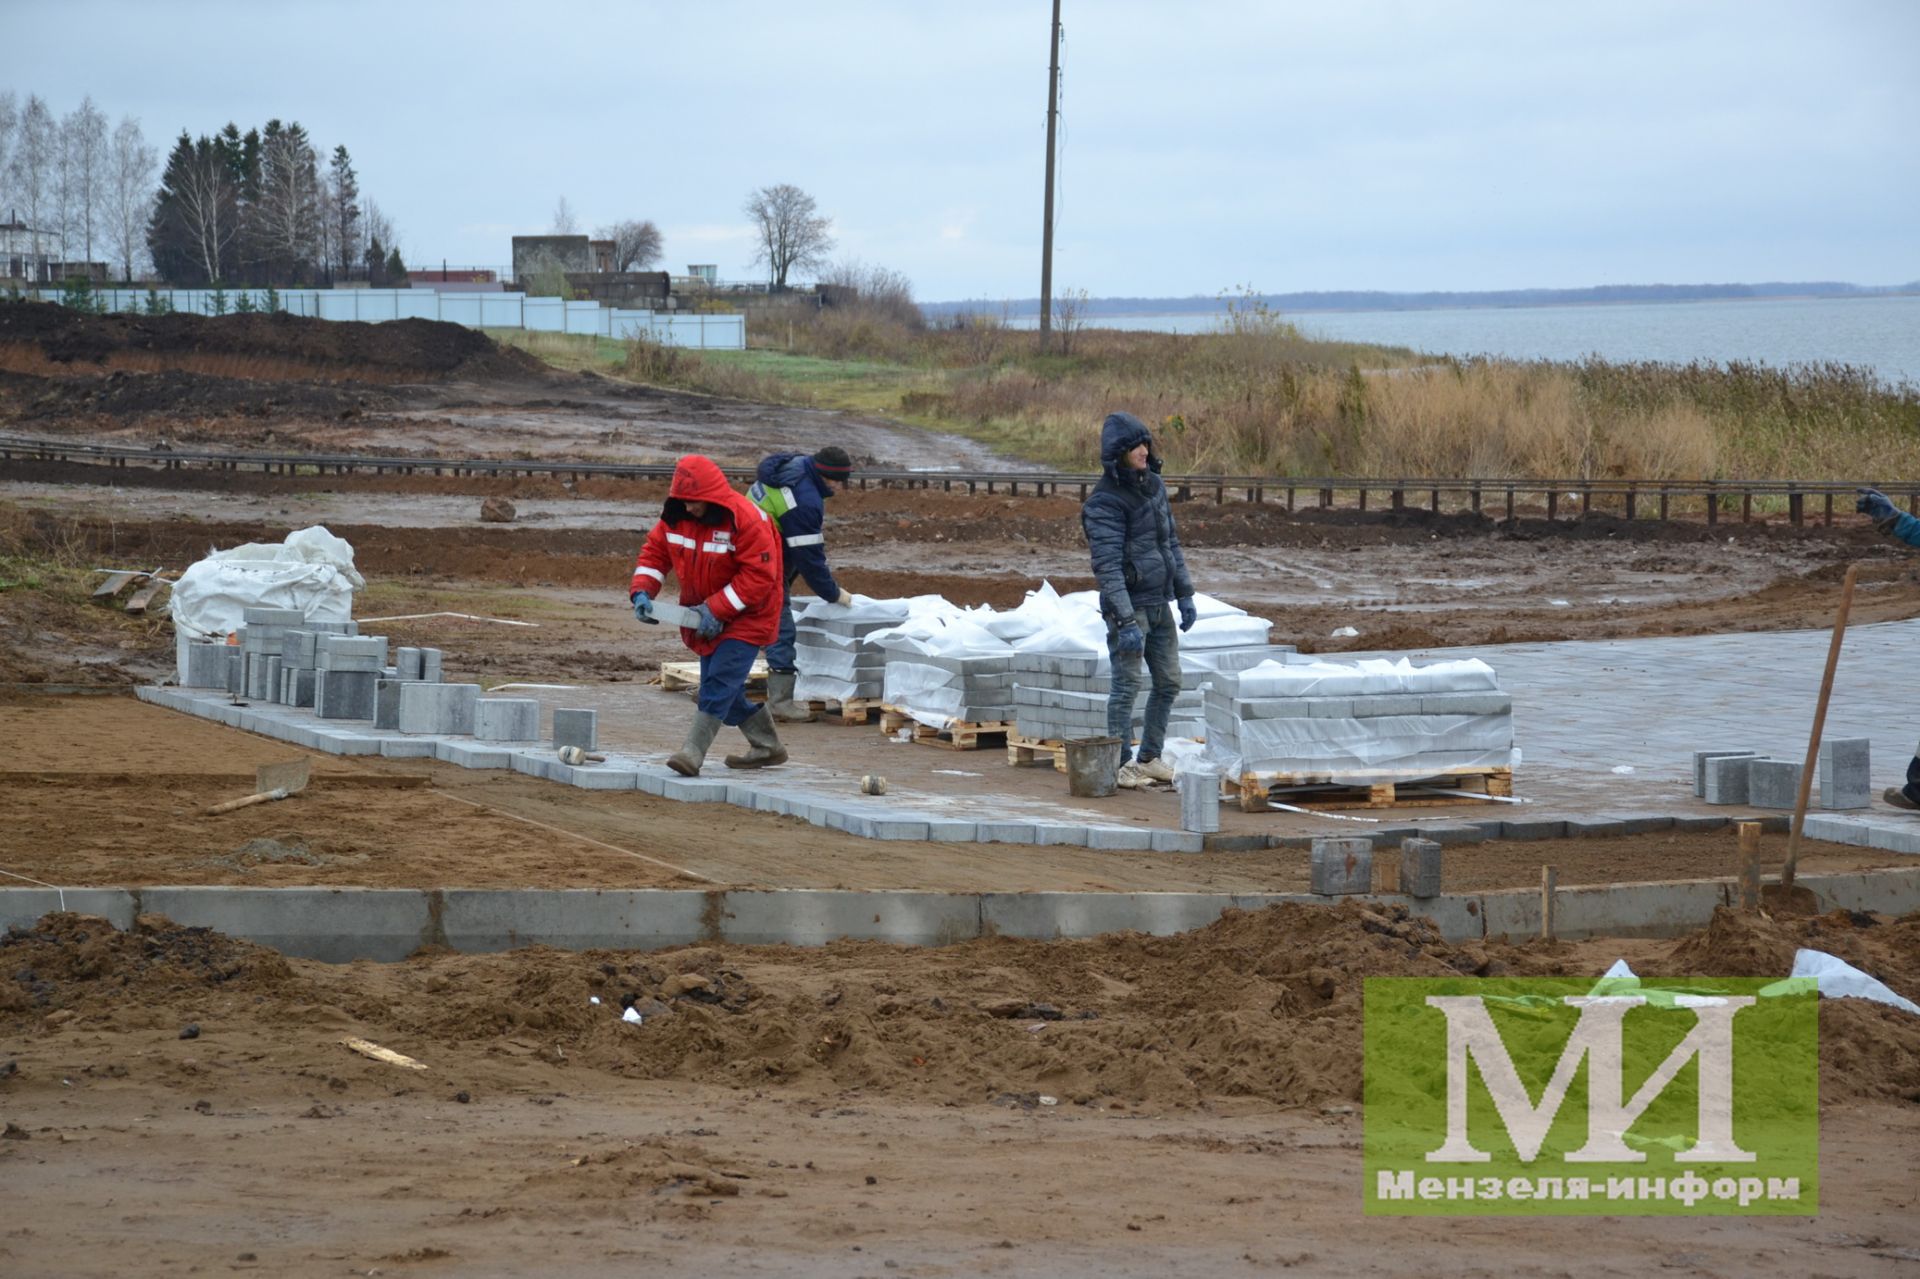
(1119, 1106)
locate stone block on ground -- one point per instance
(1773, 783)
(1700, 759)
(1420, 861)
(1846, 772)
(438, 708)
(344, 694)
(506, 719)
(1724, 778)
(1342, 864)
(386, 704)
(572, 727)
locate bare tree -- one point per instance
(130, 165)
(9, 124)
(792, 234)
(30, 169)
(565, 221)
(636, 244)
(287, 216)
(84, 145)
(877, 289)
(1069, 317)
(209, 200)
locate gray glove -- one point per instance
(707, 626)
(1874, 503)
(1188, 614)
(643, 606)
(1130, 640)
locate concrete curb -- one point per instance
(340, 925)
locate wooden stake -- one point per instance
(1819, 722)
(1749, 873)
(1549, 880)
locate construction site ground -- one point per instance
(1123, 1105)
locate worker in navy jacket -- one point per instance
(1896, 523)
(793, 489)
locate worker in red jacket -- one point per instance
(725, 554)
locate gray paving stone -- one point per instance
(899, 828)
(575, 727)
(1420, 867)
(348, 743)
(1178, 841)
(438, 708)
(1700, 759)
(1533, 828)
(601, 777)
(471, 755)
(386, 704)
(1773, 783)
(406, 662)
(1119, 839)
(408, 748)
(946, 831)
(1601, 826)
(1725, 779)
(1888, 836)
(1341, 865)
(1461, 832)
(1699, 821)
(1642, 823)
(694, 790)
(506, 719)
(1837, 830)
(1846, 772)
(1005, 832)
(652, 781)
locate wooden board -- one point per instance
(1355, 790)
(679, 677)
(1033, 750)
(368, 1049)
(138, 601)
(114, 584)
(959, 735)
(854, 710)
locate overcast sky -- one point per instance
(1284, 145)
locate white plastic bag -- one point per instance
(312, 571)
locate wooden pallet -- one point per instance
(959, 735)
(854, 710)
(684, 677)
(1032, 750)
(1356, 791)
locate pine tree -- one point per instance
(344, 213)
(396, 269)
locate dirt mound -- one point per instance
(1867, 1050)
(79, 963)
(39, 338)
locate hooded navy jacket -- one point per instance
(806, 497)
(1129, 526)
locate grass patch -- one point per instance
(1260, 398)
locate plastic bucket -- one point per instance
(1093, 766)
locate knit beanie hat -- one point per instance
(833, 463)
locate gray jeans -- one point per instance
(1163, 663)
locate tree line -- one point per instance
(253, 208)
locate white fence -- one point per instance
(475, 310)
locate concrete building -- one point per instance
(28, 255)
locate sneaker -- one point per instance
(1132, 777)
(1894, 796)
(1157, 769)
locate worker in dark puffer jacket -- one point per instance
(1142, 578)
(1895, 523)
(793, 489)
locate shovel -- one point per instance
(271, 781)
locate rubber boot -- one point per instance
(687, 760)
(780, 699)
(766, 750)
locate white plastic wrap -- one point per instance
(1387, 741)
(1366, 676)
(311, 571)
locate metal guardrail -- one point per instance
(1632, 497)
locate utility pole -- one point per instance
(1046, 227)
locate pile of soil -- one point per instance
(1262, 1005)
(34, 336)
(175, 393)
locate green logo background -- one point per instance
(1775, 1092)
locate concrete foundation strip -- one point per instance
(585, 839)
(26, 879)
(340, 925)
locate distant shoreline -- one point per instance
(1388, 303)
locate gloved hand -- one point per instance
(642, 606)
(1875, 503)
(1130, 639)
(707, 626)
(1188, 614)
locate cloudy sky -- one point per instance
(1281, 144)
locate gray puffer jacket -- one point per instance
(1129, 526)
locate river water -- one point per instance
(1881, 333)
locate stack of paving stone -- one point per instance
(1373, 720)
(1057, 696)
(835, 657)
(939, 689)
(347, 673)
(274, 643)
(1845, 769)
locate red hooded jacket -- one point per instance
(729, 559)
